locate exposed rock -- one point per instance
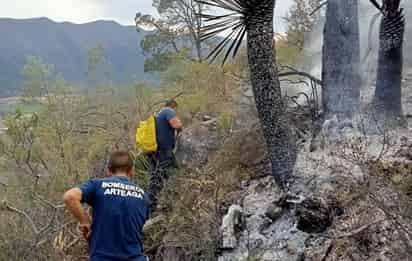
(298, 226)
(273, 212)
(230, 226)
(207, 118)
(195, 144)
(264, 238)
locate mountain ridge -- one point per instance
(65, 45)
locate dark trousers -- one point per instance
(161, 164)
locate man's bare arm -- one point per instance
(176, 123)
(72, 200)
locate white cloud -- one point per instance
(80, 11)
(60, 10)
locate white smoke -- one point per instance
(312, 61)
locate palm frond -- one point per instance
(376, 4)
(232, 24)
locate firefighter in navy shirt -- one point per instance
(168, 124)
(120, 209)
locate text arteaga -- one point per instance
(123, 190)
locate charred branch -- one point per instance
(318, 8)
(294, 72)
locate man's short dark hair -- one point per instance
(171, 103)
(120, 162)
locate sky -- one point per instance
(82, 11)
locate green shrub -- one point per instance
(142, 168)
(225, 122)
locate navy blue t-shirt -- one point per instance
(164, 132)
(120, 209)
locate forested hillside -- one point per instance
(66, 46)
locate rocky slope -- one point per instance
(349, 200)
(332, 212)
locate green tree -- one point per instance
(176, 31)
(98, 68)
(37, 77)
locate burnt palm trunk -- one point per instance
(387, 99)
(254, 18)
(341, 59)
(266, 88)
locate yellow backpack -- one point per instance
(146, 135)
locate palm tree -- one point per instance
(341, 59)
(387, 99)
(254, 18)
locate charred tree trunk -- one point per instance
(387, 100)
(341, 59)
(254, 18)
(266, 88)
